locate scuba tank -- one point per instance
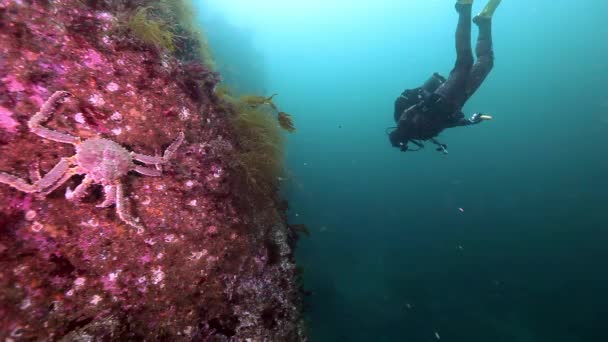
(414, 96)
(433, 83)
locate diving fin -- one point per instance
(488, 11)
(464, 2)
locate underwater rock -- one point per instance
(204, 266)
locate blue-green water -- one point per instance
(391, 256)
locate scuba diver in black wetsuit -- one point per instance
(422, 113)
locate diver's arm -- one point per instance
(402, 121)
(458, 119)
(474, 120)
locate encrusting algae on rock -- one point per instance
(205, 264)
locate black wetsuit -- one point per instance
(422, 113)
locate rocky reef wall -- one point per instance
(110, 239)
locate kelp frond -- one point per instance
(152, 29)
(260, 152)
(183, 12)
(171, 25)
(255, 100)
(260, 142)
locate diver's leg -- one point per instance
(483, 50)
(464, 53)
(453, 89)
(485, 55)
(488, 10)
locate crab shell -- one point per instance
(103, 160)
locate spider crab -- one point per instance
(100, 160)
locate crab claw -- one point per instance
(69, 194)
(80, 191)
(110, 196)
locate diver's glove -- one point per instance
(479, 117)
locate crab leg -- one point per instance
(48, 109)
(121, 210)
(146, 159)
(54, 176)
(80, 191)
(55, 136)
(147, 171)
(60, 182)
(35, 175)
(109, 192)
(17, 183)
(173, 147)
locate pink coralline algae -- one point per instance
(93, 59)
(204, 266)
(12, 84)
(6, 120)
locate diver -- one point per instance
(424, 112)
